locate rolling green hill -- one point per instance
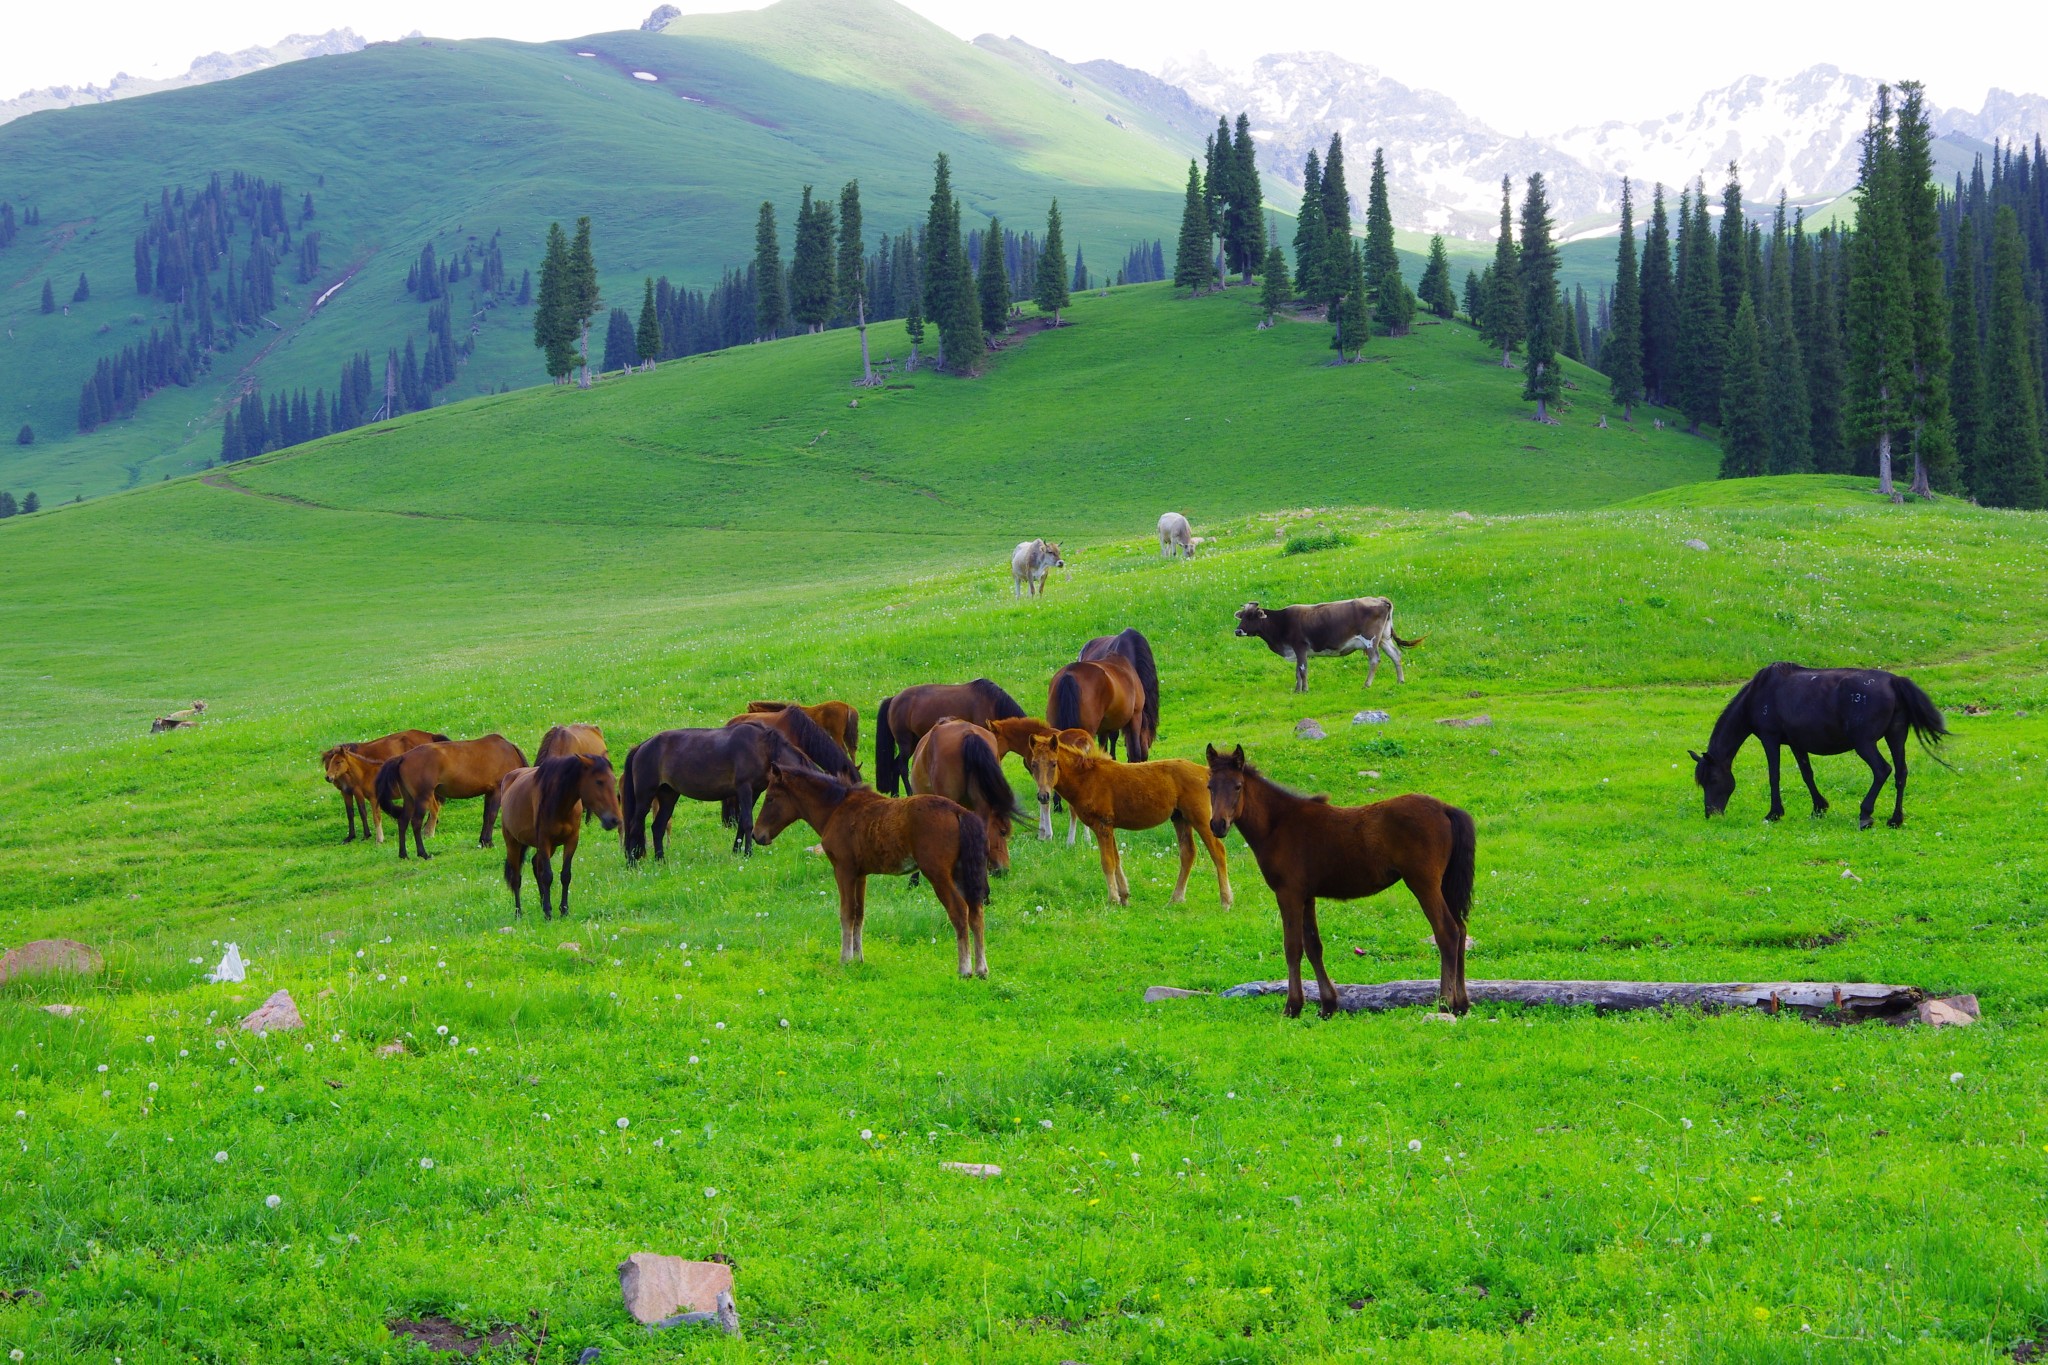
(426, 141)
(1194, 1180)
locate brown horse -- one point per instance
(901, 720)
(352, 771)
(1307, 848)
(1130, 647)
(729, 766)
(867, 834)
(1109, 796)
(835, 718)
(446, 770)
(563, 740)
(543, 808)
(957, 759)
(1105, 697)
(1014, 736)
(814, 741)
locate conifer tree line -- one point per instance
(11, 226)
(29, 502)
(1912, 343)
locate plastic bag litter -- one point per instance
(231, 968)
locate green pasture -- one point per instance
(1194, 1180)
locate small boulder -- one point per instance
(569, 945)
(1370, 718)
(1954, 1011)
(1154, 994)
(1466, 722)
(61, 1011)
(46, 955)
(334, 936)
(655, 1287)
(1369, 772)
(1695, 544)
(1308, 729)
(275, 1015)
(1440, 1017)
(979, 1170)
(394, 1048)
(1461, 516)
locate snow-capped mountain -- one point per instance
(1799, 134)
(215, 66)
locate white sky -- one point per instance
(1605, 58)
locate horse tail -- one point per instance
(985, 776)
(1922, 715)
(1458, 870)
(853, 733)
(970, 866)
(628, 797)
(888, 763)
(388, 785)
(1148, 674)
(1066, 702)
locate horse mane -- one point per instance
(820, 748)
(1004, 705)
(561, 778)
(808, 771)
(1250, 770)
(1733, 715)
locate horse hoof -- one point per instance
(1774, 817)
(1896, 821)
(1326, 1011)
(1293, 1011)
(1864, 823)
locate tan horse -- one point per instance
(1014, 736)
(543, 808)
(957, 759)
(449, 770)
(835, 718)
(352, 770)
(867, 834)
(1108, 796)
(563, 740)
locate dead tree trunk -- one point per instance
(1810, 998)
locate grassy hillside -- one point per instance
(1192, 1180)
(429, 141)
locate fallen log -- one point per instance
(1812, 999)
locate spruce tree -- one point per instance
(647, 336)
(8, 507)
(1393, 305)
(1880, 302)
(1273, 285)
(913, 327)
(581, 292)
(2009, 471)
(1702, 329)
(619, 352)
(1248, 202)
(230, 439)
(26, 436)
(1745, 433)
(851, 268)
(1191, 268)
(811, 284)
(30, 502)
(1658, 295)
(84, 290)
(1380, 257)
(1733, 246)
(993, 282)
(949, 301)
(1336, 218)
(770, 307)
(554, 330)
(1049, 290)
(1218, 165)
(1504, 311)
(1568, 331)
(1966, 360)
(1435, 289)
(1789, 410)
(1349, 331)
(1932, 432)
(1474, 296)
(1621, 350)
(1824, 347)
(49, 297)
(1310, 232)
(1543, 380)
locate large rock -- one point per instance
(47, 955)
(656, 1286)
(1308, 729)
(275, 1015)
(1369, 717)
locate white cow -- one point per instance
(1033, 560)
(1174, 538)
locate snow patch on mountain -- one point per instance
(215, 66)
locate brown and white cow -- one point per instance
(1326, 628)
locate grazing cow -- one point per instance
(1174, 537)
(1326, 628)
(1033, 560)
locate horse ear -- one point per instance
(1212, 754)
(1695, 756)
(1237, 756)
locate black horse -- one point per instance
(1820, 711)
(729, 766)
(1132, 645)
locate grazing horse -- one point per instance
(1014, 736)
(901, 720)
(1033, 560)
(1326, 628)
(835, 718)
(957, 759)
(817, 744)
(1307, 848)
(543, 808)
(352, 770)
(1109, 796)
(1174, 537)
(562, 740)
(1134, 648)
(1820, 711)
(867, 834)
(729, 766)
(446, 770)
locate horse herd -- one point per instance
(946, 743)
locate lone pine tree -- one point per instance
(1049, 290)
(1621, 350)
(1537, 264)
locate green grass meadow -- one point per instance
(1198, 1179)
